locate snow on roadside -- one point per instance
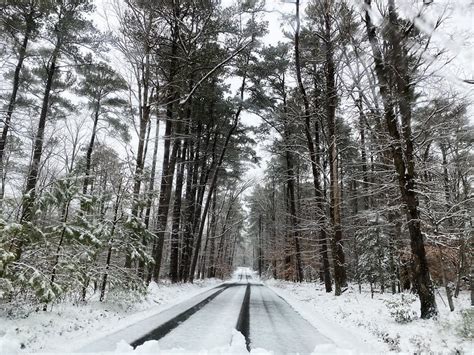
(70, 326)
(358, 322)
(236, 346)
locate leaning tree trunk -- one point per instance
(405, 171)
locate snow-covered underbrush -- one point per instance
(69, 325)
(385, 323)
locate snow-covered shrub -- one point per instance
(124, 298)
(8, 231)
(465, 327)
(393, 342)
(421, 344)
(400, 308)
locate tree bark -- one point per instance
(405, 171)
(340, 278)
(176, 215)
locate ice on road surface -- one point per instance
(275, 326)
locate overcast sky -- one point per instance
(455, 35)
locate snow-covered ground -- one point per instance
(70, 327)
(356, 321)
(353, 323)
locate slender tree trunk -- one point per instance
(311, 147)
(274, 232)
(471, 279)
(203, 257)
(109, 251)
(151, 192)
(260, 251)
(340, 278)
(447, 286)
(145, 110)
(57, 256)
(363, 156)
(224, 232)
(459, 269)
(287, 249)
(30, 190)
(211, 269)
(90, 149)
(176, 215)
(323, 243)
(164, 202)
(191, 197)
(292, 209)
(13, 98)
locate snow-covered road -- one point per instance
(211, 327)
(275, 326)
(208, 321)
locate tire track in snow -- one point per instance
(168, 326)
(210, 328)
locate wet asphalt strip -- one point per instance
(243, 323)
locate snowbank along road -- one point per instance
(207, 321)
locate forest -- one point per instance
(129, 127)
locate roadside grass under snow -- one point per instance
(69, 326)
(356, 321)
